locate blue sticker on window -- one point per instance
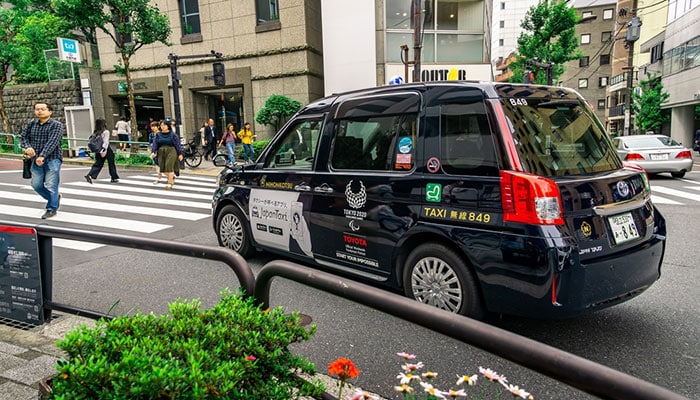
(405, 145)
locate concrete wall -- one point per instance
(19, 100)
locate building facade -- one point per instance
(505, 26)
(363, 42)
(675, 54)
(268, 47)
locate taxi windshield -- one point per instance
(558, 137)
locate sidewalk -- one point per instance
(29, 354)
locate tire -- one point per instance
(232, 231)
(678, 174)
(193, 160)
(220, 159)
(438, 276)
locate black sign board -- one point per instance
(21, 298)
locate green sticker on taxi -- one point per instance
(433, 192)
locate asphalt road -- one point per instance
(655, 337)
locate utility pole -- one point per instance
(417, 39)
(632, 35)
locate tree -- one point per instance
(9, 51)
(646, 107)
(277, 110)
(130, 24)
(549, 36)
(38, 33)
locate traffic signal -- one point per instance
(219, 74)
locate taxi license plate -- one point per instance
(656, 157)
(623, 228)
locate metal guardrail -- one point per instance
(237, 263)
(575, 371)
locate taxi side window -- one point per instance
(467, 145)
(297, 148)
(376, 134)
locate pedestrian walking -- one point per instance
(41, 141)
(229, 140)
(155, 129)
(123, 129)
(210, 140)
(201, 135)
(696, 146)
(168, 149)
(246, 136)
(105, 154)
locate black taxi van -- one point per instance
(474, 197)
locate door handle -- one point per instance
(302, 187)
(324, 188)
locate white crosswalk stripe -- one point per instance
(133, 205)
(662, 193)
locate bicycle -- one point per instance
(191, 156)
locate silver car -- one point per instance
(655, 153)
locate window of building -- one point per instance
(500, 42)
(601, 104)
(657, 53)
(587, 14)
(502, 24)
(583, 61)
(603, 81)
(503, 5)
(604, 59)
(586, 38)
(605, 36)
(267, 10)
(608, 13)
(121, 39)
(453, 31)
(189, 14)
(583, 83)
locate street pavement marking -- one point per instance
(178, 185)
(99, 205)
(155, 192)
(189, 180)
(674, 192)
(135, 199)
(75, 244)
(692, 187)
(662, 200)
(94, 221)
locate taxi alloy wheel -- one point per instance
(438, 276)
(232, 230)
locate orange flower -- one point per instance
(344, 368)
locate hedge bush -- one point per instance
(234, 350)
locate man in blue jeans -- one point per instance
(41, 140)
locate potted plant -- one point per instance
(235, 350)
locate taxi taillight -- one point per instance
(633, 156)
(530, 199)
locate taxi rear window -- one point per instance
(559, 137)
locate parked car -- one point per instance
(472, 197)
(655, 153)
